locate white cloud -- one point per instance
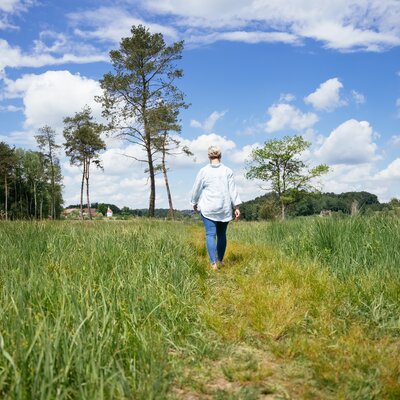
(122, 160)
(13, 6)
(286, 97)
(23, 139)
(327, 96)
(350, 143)
(346, 178)
(395, 140)
(208, 124)
(50, 97)
(286, 116)
(359, 98)
(245, 37)
(390, 173)
(13, 57)
(10, 108)
(112, 24)
(247, 189)
(344, 24)
(240, 156)
(196, 124)
(339, 36)
(10, 7)
(199, 147)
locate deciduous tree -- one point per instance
(7, 163)
(46, 140)
(278, 163)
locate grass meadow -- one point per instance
(304, 309)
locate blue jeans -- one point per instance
(215, 238)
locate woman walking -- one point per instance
(214, 194)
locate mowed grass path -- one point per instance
(129, 310)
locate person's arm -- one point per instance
(196, 190)
(234, 195)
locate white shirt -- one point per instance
(214, 191)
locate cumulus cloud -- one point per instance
(208, 124)
(285, 116)
(200, 145)
(390, 173)
(240, 156)
(327, 96)
(50, 97)
(350, 143)
(122, 180)
(346, 178)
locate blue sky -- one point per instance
(253, 70)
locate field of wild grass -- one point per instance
(303, 309)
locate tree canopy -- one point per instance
(278, 164)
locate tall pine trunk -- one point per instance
(82, 185)
(87, 187)
(152, 199)
(164, 169)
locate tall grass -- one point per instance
(362, 252)
(323, 293)
(307, 308)
(95, 310)
(345, 245)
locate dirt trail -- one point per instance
(246, 367)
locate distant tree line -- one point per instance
(30, 183)
(268, 205)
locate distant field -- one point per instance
(307, 308)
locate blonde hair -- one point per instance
(214, 152)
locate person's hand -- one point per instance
(237, 214)
(195, 208)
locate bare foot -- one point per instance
(221, 263)
(214, 266)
